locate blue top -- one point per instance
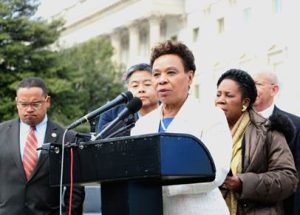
(164, 123)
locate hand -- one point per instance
(233, 183)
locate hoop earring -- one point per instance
(244, 108)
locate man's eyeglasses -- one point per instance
(34, 105)
(262, 84)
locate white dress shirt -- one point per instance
(267, 112)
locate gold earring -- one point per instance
(244, 108)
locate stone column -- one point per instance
(133, 42)
(116, 43)
(154, 31)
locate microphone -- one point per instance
(132, 107)
(122, 98)
(121, 130)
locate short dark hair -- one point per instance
(176, 48)
(245, 82)
(33, 82)
(137, 67)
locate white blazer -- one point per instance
(209, 124)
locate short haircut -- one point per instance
(137, 67)
(267, 72)
(245, 82)
(176, 48)
(33, 82)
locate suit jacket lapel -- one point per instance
(13, 134)
(276, 110)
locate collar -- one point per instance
(267, 112)
(38, 126)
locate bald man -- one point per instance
(267, 88)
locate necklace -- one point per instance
(162, 124)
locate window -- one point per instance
(232, 2)
(197, 91)
(277, 6)
(276, 57)
(174, 38)
(220, 25)
(247, 15)
(195, 34)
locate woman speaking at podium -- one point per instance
(173, 71)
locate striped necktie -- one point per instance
(30, 156)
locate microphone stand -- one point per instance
(125, 128)
(93, 124)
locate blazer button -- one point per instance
(245, 205)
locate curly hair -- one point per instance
(245, 82)
(176, 48)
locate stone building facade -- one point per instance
(223, 34)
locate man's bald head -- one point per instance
(267, 88)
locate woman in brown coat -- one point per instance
(262, 167)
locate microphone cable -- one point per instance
(71, 180)
(62, 173)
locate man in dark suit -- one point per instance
(24, 171)
(267, 88)
(138, 79)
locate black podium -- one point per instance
(132, 170)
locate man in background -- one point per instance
(267, 88)
(139, 81)
(24, 170)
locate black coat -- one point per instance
(35, 196)
(292, 204)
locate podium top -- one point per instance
(165, 158)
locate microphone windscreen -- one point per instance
(135, 105)
(128, 95)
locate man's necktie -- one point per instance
(30, 156)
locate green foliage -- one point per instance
(23, 49)
(79, 79)
(95, 79)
